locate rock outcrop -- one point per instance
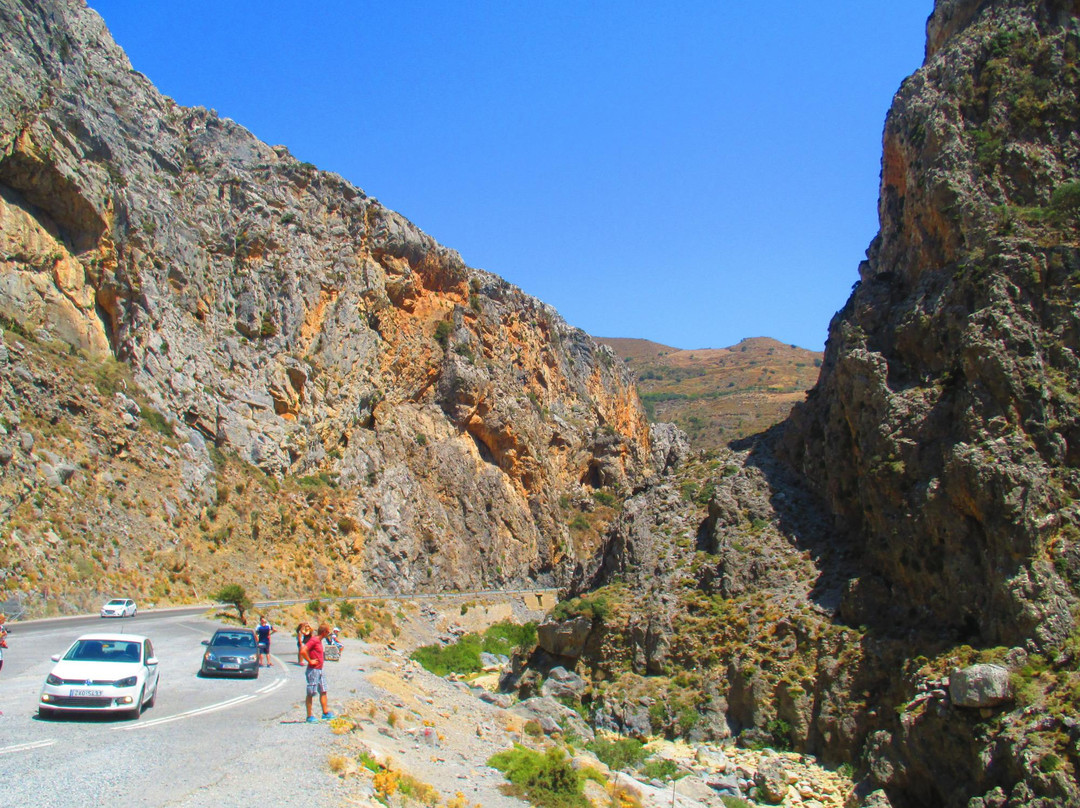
(943, 432)
(290, 319)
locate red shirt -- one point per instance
(315, 652)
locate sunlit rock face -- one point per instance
(291, 319)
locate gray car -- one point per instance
(231, 651)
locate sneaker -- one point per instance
(328, 716)
(312, 719)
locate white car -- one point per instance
(102, 673)
(119, 607)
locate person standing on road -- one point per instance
(303, 634)
(3, 638)
(313, 655)
(263, 632)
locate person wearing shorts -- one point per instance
(313, 654)
(262, 633)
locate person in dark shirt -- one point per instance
(262, 633)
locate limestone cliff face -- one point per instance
(293, 320)
(944, 431)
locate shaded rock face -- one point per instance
(944, 432)
(290, 319)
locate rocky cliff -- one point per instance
(943, 432)
(280, 316)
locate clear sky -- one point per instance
(691, 172)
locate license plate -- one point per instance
(231, 666)
(85, 693)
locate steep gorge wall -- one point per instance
(944, 432)
(289, 318)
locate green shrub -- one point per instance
(347, 610)
(618, 753)
(595, 606)
(156, 421)
(605, 498)
(736, 802)
(662, 770)
(314, 606)
(506, 637)
(235, 596)
(1066, 199)
(464, 655)
(547, 780)
(442, 332)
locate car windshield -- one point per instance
(115, 603)
(234, 640)
(104, 651)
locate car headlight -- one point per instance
(250, 658)
(128, 682)
(53, 679)
(209, 657)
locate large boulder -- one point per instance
(553, 717)
(562, 683)
(564, 638)
(772, 780)
(980, 686)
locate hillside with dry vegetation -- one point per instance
(719, 395)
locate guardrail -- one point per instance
(405, 596)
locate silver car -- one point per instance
(231, 651)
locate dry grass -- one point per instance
(720, 395)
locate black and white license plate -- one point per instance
(230, 666)
(84, 693)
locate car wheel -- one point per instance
(46, 713)
(153, 696)
(136, 711)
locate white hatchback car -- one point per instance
(119, 607)
(102, 673)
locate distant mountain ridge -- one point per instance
(717, 395)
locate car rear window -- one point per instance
(104, 651)
(234, 640)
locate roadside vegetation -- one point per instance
(463, 656)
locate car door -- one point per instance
(151, 670)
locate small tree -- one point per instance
(235, 596)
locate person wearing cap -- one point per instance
(333, 639)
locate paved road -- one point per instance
(206, 742)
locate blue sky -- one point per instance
(691, 174)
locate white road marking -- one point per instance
(25, 747)
(210, 708)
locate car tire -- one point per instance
(153, 696)
(136, 711)
(46, 713)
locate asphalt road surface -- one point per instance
(205, 742)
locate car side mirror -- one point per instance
(55, 657)
(206, 642)
(151, 660)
